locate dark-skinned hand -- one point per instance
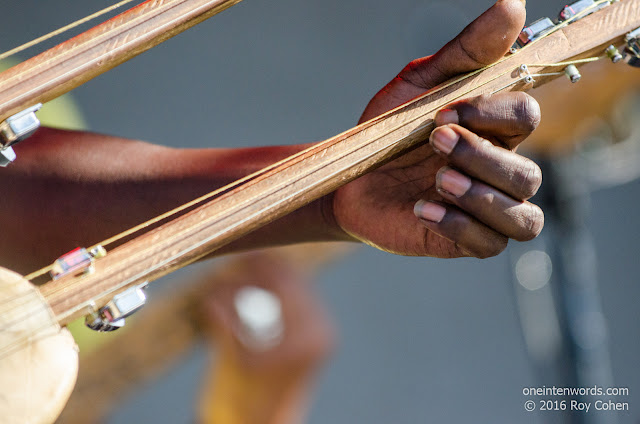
(465, 192)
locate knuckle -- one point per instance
(484, 99)
(481, 101)
(527, 112)
(472, 152)
(479, 57)
(468, 145)
(410, 72)
(474, 108)
(480, 147)
(422, 72)
(530, 179)
(532, 222)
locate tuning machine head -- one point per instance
(572, 73)
(112, 316)
(7, 155)
(16, 128)
(632, 50)
(613, 53)
(76, 262)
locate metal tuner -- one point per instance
(16, 128)
(111, 316)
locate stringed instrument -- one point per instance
(235, 210)
(606, 90)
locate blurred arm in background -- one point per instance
(245, 383)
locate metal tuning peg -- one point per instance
(111, 316)
(534, 31)
(7, 155)
(78, 261)
(582, 7)
(572, 73)
(632, 50)
(613, 53)
(16, 128)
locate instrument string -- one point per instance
(129, 281)
(79, 281)
(62, 30)
(137, 20)
(234, 184)
(284, 161)
(208, 196)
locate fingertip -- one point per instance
(450, 181)
(489, 37)
(531, 114)
(447, 116)
(484, 41)
(515, 8)
(429, 211)
(514, 12)
(444, 139)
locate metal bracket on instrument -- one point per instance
(78, 261)
(581, 6)
(533, 32)
(111, 316)
(632, 50)
(572, 12)
(7, 155)
(16, 128)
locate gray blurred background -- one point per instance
(421, 339)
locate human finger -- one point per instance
(508, 118)
(513, 174)
(482, 42)
(471, 237)
(515, 219)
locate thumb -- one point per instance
(481, 43)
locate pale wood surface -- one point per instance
(38, 359)
(322, 169)
(94, 52)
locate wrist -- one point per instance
(328, 218)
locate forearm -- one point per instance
(70, 189)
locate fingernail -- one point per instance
(447, 116)
(454, 182)
(429, 211)
(444, 139)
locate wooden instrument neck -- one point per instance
(327, 166)
(96, 51)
